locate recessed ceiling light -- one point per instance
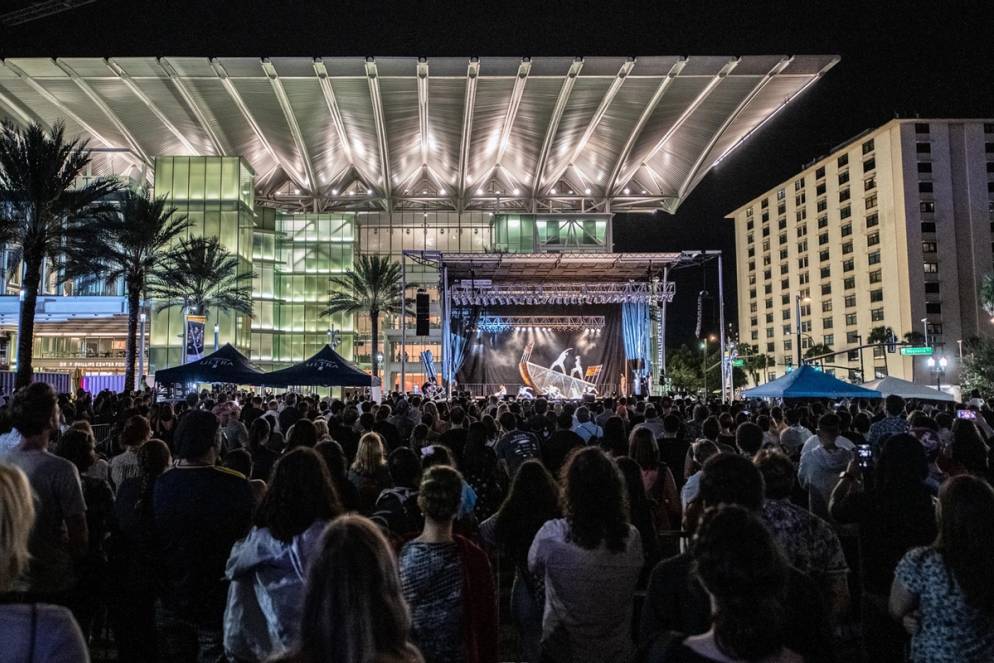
(627, 191)
(334, 192)
(441, 192)
(296, 191)
(517, 191)
(553, 192)
(369, 192)
(587, 190)
(479, 192)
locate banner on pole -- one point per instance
(195, 325)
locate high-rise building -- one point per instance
(894, 228)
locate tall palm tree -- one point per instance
(880, 334)
(129, 244)
(372, 286)
(42, 211)
(199, 276)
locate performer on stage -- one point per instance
(577, 368)
(501, 392)
(525, 394)
(560, 361)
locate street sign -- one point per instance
(738, 363)
(916, 350)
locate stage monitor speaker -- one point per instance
(421, 313)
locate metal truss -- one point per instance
(506, 294)
(499, 323)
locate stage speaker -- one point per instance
(421, 313)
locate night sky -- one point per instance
(933, 59)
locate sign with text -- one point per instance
(916, 350)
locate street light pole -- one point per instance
(704, 366)
(925, 329)
(797, 324)
(141, 346)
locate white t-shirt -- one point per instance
(841, 442)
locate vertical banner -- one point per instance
(195, 325)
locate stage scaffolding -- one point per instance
(524, 279)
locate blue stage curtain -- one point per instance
(429, 363)
(460, 327)
(635, 331)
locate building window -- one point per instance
(781, 224)
(876, 314)
(921, 127)
(798, 184)
(933, 308)
(806, 327)
(750, 224)
(752, 251)
(870, 183)
(766, 245)
(826, 323)
(989, 148)
(848, 265)
(769, 303)
(873, 258)
(766, 231)
(764, 203)
(766, 260)
(785, 314)
(924, 187)
(847, 248)
(842, 160)
(850, 301)
(868, 146)
(849, 283)
(927, 206)
(824, 255)
(934, 328)
(851, 319)
(873, 239)
(767, 289)
(990, 167)
(785, 299)
(767, 275)
(932, 287)
(872, 219)
(843, 177)
(820, 173)
(802, 262)
(781, 209)
(802, 230)
(928, 227)
(804, 278)
(826, 288)
(929, 247)
(878, 352)
(989, 127)
(846, 230)
(870, 202)
(802, 246)
(826, 272)
(820, 189)
(822, 205)
(782, 239)
(766, 216)
(931, 268)
(923, 148)
(875, 276)
(924, 167)
(844, 195)
(876, 295)
(755, 335)
(752, 293)
(781, 194)
(783, 253)
(826, 306)
(869, 165)
(769, 317)
(770, 347)
(845, 212)
(801, 214)
(752, 307)
(823, 239)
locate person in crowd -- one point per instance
(163, 423)
(673, 447)
(532, 500)
(748, 439)
(967, 453)
(481, 471)
(419, 437)
(657, 480)
(321, 430)
(234, 433)
(266, 569)
(677, 601)
(60, 535)
(515, 446)
(369, 472)
(135, 433)
(240, 460)
(29, 631)
(436, 454)
(587, 429)
(200, 510)
(289, 415)
(353, 608)
(446, 579)
(455, 436)
(795, 434)
(302, 434)
(699, 452)
(265, 447)
(860, 428)
(652, 421)
(560, 444)
(346, 434)
(614, 441)
(252, 411)
(132, 548)
(894, 509)
(820, 466)
(397, 508)
(943, 594)
(809, 542)
(642, 512)
(770, 437)
(590, 560)
(387, 431)
(894, 422)
(743, 572)
(333, 456)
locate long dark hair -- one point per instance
(478, 460)
(153, 459)
(532, 500)
(353, 608)
(594, 500)
(741, 566)
(259, 433)
(966, 537)
(300, 493)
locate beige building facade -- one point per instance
(893, 228)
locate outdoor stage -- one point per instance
(559, 325)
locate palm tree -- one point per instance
(914, 338)
(880, 334)
(201, 275)
(41, 211)
(372, 286)
(987, 294)
(130, 244)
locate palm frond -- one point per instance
(202, 274)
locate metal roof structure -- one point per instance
(530, 134)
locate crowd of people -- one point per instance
(234, 526)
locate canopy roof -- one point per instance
(808, 382)
(327, 368)
(227, 365)
(891, 385)
(596, 133)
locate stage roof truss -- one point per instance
(633, 134)
(500, 323)
(559, 294)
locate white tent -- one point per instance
(891, 385)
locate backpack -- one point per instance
(397, 509)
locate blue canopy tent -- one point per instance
(808, 382)
(325, 369)
(227, 365)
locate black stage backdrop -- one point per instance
(492, 357)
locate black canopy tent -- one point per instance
(327, 368)
(226, 365)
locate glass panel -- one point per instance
(181, 178)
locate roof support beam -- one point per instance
(469, 105)
(647, 112)
(609, 96)
(156, 111)
(680, 121)
(26, 115)
(291, 120)
(512, 108)
(423, 108)
(106, 110)
(372, 77)
(65, 110)
(250, 120)
(696, 169)
(324, 80)
(220, 147)
(550, 132)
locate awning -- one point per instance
(808, 382)
(891, 385)
(325, 369)
(227, 365)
